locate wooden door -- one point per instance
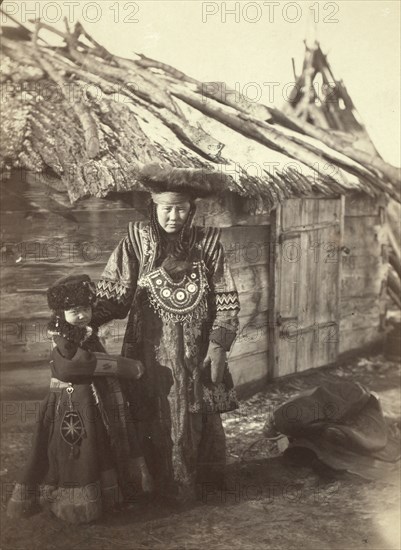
(305, 275)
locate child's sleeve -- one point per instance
(117, 285)
(70, 363)
(66, 348)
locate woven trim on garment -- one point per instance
(216, 400)
(227, 301)
(112, 290)
(165, 294)
(210, 243)
(200, 312)
(74, 505)
(143, 243)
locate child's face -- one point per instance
(78, 316)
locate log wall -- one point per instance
(247, 249)
(44, 238)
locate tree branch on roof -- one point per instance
(82, 112)
(135, 115)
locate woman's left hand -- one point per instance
(218, 357)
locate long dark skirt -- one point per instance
(71, 468)
(183, 448)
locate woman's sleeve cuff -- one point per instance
(223, 337)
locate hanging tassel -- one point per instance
(101, 408)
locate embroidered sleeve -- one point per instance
(225, 299)
(117, 285)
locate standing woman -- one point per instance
(173, 280)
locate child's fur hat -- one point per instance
(71, 291)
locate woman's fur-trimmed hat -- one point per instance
(71, 291)
(194, 182)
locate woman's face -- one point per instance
(79, 316)
(172, 217)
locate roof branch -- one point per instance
(146, 110)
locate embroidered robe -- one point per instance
(170, 325)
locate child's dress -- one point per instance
(84, 439)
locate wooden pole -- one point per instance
(14, 20)
(394, 244)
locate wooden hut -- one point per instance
(322, 100)
(79, 122)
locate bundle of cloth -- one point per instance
(343, 424)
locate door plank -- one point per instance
(306, 277)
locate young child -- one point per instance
(85, 446)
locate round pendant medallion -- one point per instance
(180, 296)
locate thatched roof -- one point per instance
(93, 118)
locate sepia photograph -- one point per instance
(200, 275)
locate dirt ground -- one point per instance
(269, 503)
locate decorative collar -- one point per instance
(177, 301)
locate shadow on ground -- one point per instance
(269, 502)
